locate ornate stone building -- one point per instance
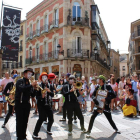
(67, 36)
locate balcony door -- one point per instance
(37, 52)
(78, 45)
(138, 30)
(55, 48)
(31, 30)
(46, 50)
(76, 12)
(46, 23)
(38, 28)
(56, 17)
(30, 55)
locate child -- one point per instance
(1, 102)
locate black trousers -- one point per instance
(71, 108)
(45, 111)
(9, 113)
(108, 116)
(64, 112)
(22, 115)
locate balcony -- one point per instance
(135, 35)
(96, 57)
(54, 24)
(136, 51)
(51, 56)
(44, 29)
(79, 21)
(36, 33)
(74, 53)
(29, 36)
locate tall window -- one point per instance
(46, 23)
(78, 44)
(138, 30)
(20, 45)
(31, 30)
(20, 61)
(76, 11)
(46, 50)
(37, 52)
(30, 54)
(55, 48)
(123, 68)
(38, 28)
(21, 32)
(56, 17)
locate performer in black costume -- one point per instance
(9, 87)
(70, 93)
(107, 100)
(44, 105)
(24, 89)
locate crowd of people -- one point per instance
(71, 93)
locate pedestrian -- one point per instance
(107, 101)
(91, 90)
(24, 89)
(1, 102)
(134, 87)
(44, 105)
(138, 87)
(70, 93)
(4, 82)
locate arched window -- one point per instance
(76, 11)
(56, 17)
(46, 23)
(38, 28)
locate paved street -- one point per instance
(129, 127)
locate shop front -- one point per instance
(55, 69)
(78, 70)
(45, 69)
(37, 73)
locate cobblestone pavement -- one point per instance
(129, 127)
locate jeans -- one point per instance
(135, 95)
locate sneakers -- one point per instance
(3, 126)
(75, 121)
(83, 130)
(63, 119)
(36, 137)
(48, 132)
(88, 135)
(117, 131)
(69, 133)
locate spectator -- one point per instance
(111, 75)
(138, 87)
(91, 90)
(128, 82)
(134, 87)
(128, 109)
(1, 102)
(115, 89)
(90, 79)
(4, 83)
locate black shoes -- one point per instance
(49, 133)
(3, 126)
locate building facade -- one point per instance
(115, 63)
(8, 66)
(134, 48)
(124, 67)
(67, 36)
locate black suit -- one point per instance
(72, 105)
(22, 106)
(106, 111)
(44, 109)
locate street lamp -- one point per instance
(95, 52)
(104, 60)
(61, 52)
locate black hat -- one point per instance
(29, 69)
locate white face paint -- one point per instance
(44, 78)
(71, 81)
(29, 75)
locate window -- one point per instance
(31, 30)
(76, 11)
(55, 48)
(138, 30)
(38, 28)
(21, 32)
(37, 52)
(78, 44)
(20, 61)
(46, 23)
(123, 68)
(123, 73)
(56, 17)
(20, 45)
(46, 50)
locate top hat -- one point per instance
(29, 69)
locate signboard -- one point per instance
(10, 34)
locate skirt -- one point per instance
(129, 110)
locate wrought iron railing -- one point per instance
(96, 57)
(30, 35)
(54, 55)
(54, 24)
(135, 34)
(36, 33)
(75, 53)
(44, 29)
(79, 21)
